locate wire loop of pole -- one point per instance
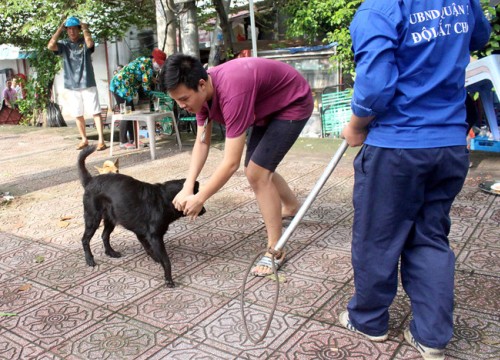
(275, 303)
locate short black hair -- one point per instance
(182, 69)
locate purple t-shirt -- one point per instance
(252, 91)
(9, 94)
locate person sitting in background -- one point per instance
(126, 83)
(9, 95)
(16, 85)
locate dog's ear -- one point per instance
(116, 163)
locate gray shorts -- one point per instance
(268, 145)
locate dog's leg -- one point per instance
(158, 248)
(109, 226)
(91, 224)
(145, 244)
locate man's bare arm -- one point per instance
(87, 36)
(52, 45)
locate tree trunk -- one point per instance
(189, 29)
(222, 31)
(171, 30)
(167, 26)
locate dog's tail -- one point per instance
(84, 174)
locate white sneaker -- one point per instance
(345, 322)
(426, 352)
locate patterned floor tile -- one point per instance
(182, 261)
(474, 195)
(399, 311)
(10, 242)
(19, 294)
(460, 231)
(116, 288)
(338, 237)
(485, 260)
(29, 256)
(328, 213)
(467, 213)
(307, 231)
(316, 262)
(474, 336)
(209, 240)
(225, 330)
(115, 338)
(123, 241)
(320, 341)
(176, 310)
(49, 323)
(187, 349)
(492, 216)
(251, 246)
(217, 276)
(299, 295)
(233, 222)
(486, 236)
(477, 292)
(15, 347)
(66, 272)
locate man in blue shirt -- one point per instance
(408, 110)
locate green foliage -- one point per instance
(38, 87)
(493, 15)
(29, 24)
(326, 21)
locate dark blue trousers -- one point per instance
(402, 200)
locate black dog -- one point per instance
(145, 209)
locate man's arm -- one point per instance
(87, 36)
(356, 130)
(198, 159)
(52, 45)
(233, 151)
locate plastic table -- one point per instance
(150, 119)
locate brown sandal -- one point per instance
(82, 145)
(101, 147)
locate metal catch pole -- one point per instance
(312, 196)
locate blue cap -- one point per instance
(72, 21)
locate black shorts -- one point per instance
(268, 145)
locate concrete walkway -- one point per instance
(56, 307)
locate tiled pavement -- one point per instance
(63, 309)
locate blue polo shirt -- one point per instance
(410, 69)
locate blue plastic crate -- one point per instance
(143, 134)
(483, 144)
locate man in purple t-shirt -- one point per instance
(9, 95)
(268, 96)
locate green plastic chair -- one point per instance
(335, 112)
(165, 125)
